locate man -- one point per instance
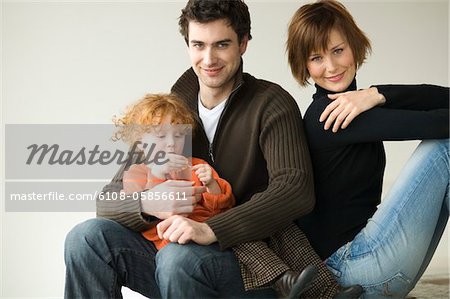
(251, 132)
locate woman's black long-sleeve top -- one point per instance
(349, 165)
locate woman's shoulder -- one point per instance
(315, 109)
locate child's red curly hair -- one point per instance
(147, 113)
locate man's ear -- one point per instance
(243, 44)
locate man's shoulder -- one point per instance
(268, 89)
(261, 83)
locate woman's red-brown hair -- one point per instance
(309, 31)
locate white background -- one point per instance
(81, 62)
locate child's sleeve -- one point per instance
(218, 203)
(135, 178)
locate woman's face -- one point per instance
(333, 69)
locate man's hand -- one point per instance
(182, 230)
(171, 198)
(174, 164)
(135, 178)
(348, 105)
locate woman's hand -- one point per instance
(348, 105)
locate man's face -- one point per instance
(215, 55)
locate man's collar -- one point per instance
(239, 78)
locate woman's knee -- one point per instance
(430, 156)
(439, 146)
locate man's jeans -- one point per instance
(206, 272)
(391, 253)
(102, 255)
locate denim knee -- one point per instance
(442, 146)
(174, 257)
(83, 236)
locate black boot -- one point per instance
(291, 284)
(351, 292)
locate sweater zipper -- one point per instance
(210, 152)
(211, 144)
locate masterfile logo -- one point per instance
(64, 167)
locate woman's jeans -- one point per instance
(102, 256)
(391, 253)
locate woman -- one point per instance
(384, 249)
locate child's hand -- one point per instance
(204, 173)
(135, 178)
(175, 163)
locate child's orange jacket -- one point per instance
(210, 205)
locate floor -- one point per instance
(429, 287)
(432, 286)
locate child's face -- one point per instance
(166, 137)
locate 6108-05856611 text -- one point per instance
(146, 195)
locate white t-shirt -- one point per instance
(210, 117)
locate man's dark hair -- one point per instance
(204, 11)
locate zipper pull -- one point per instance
(211, 154)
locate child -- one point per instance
(161, 121)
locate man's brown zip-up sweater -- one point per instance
(259, 148)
